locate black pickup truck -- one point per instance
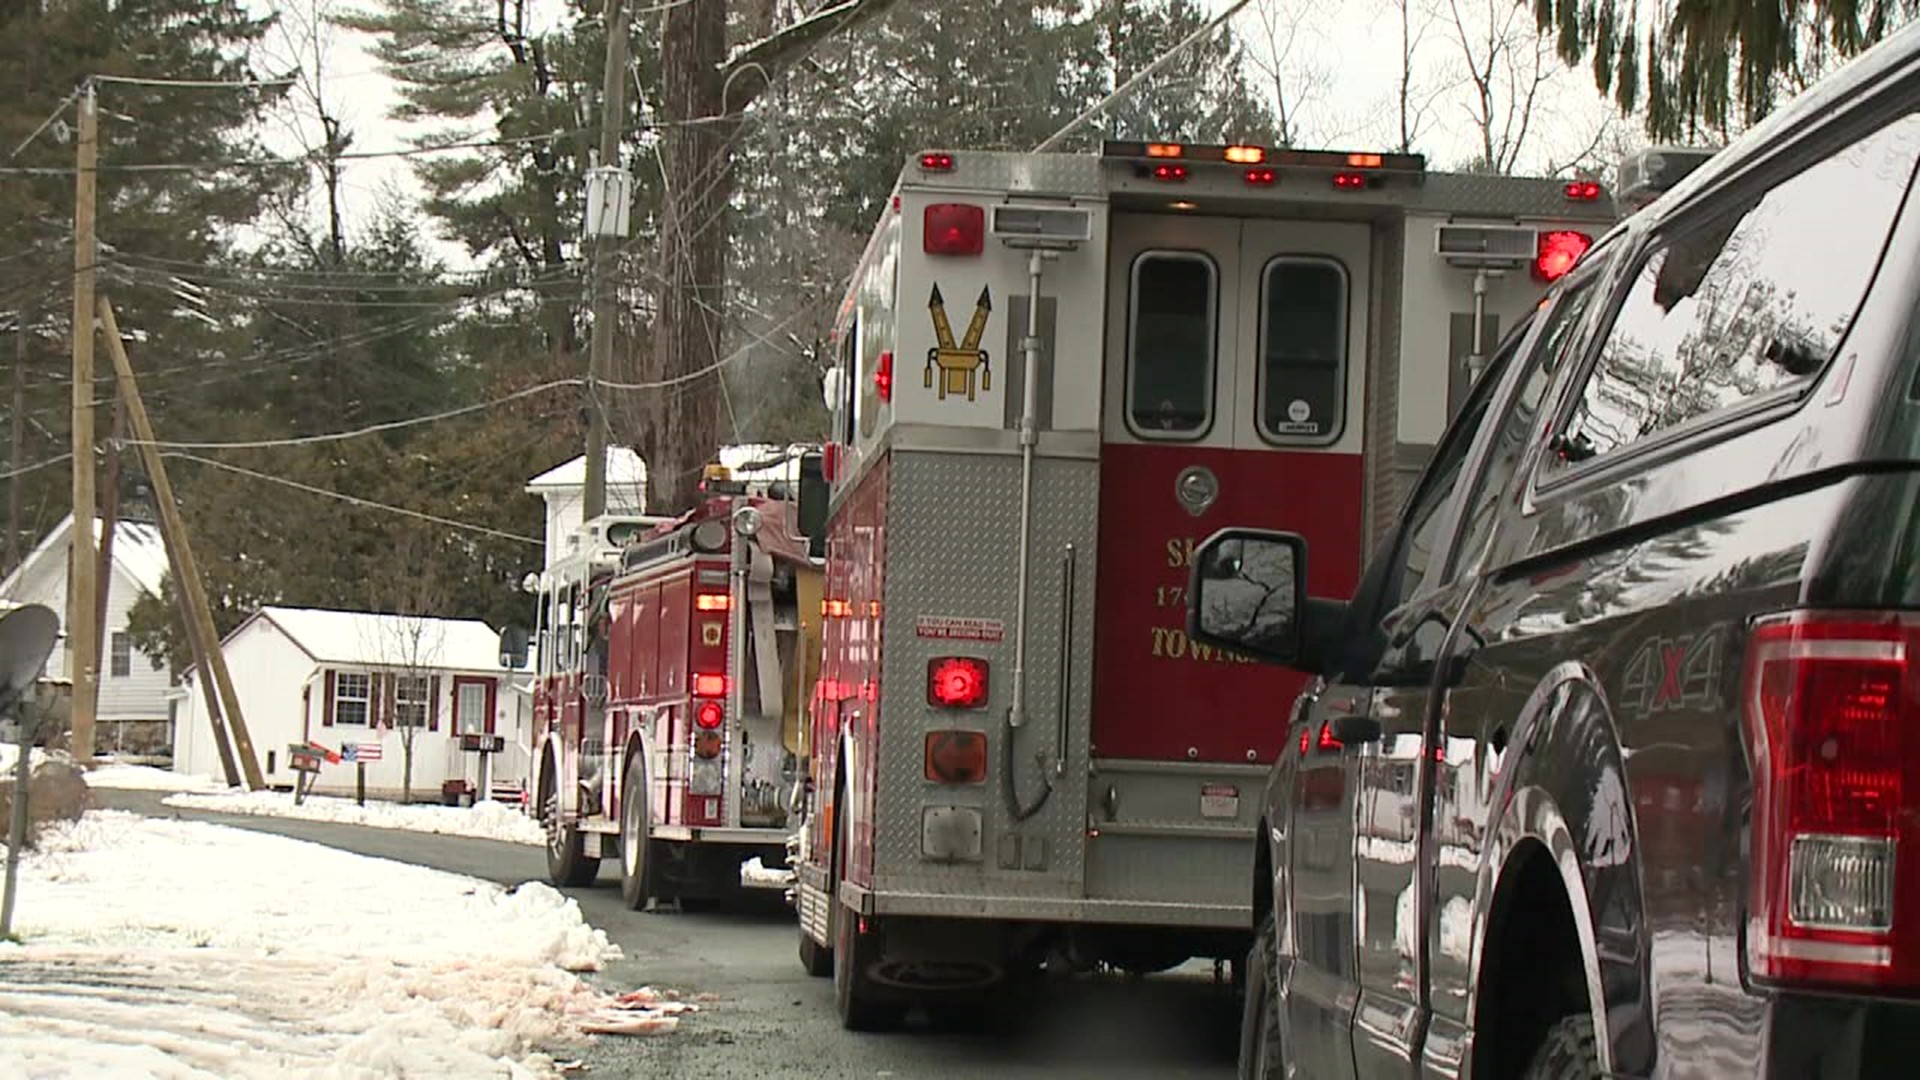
(1612, 767)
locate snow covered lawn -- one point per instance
(487, 820)
(177, 949)
(146, 778)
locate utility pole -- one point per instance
(608, 197)
(109, 524)
(18, 443)
(81, 628)
(174, 533)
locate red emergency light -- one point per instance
(1349, 181)
(1327, 739)
(957, 682)
(1556, 251)
(1262, 177)
(1173, 173)
(1583, 190)
(709, 715)
(954, 229)
(935, 161)
(1245, 155)
(883, 376)
(709, 686)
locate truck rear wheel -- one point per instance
(854, 954)
(568, 865)
(1570, 1051)
(1261, 1055)
(636, 855)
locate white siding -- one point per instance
(269, 673)
(141, 694)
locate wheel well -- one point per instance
(1532, 971)
(1262, 876)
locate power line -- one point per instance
(356, 500)
(372, 429)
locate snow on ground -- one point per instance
(147, 778)
(756, 874)
(487, 820)
(181, 949)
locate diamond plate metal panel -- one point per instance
(1507, 196)
(1030, 174)
(953, 551)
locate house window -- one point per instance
(471, 708)
(410, 700)
(351, 693)
(122, 655)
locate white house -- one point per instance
(563, 487)
(349, 677)
(132, 715)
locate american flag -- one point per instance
(369, 751)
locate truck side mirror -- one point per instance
(814, 495)
(513, 647)
(1248, 593)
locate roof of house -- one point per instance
(371, 639)
(624, 466)
(137, 550)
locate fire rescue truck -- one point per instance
(1054, 373)
(673, 661)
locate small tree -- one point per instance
(410, 645)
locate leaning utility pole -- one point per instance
(81, 629)
(174, 533)
(608, 196)
(19, 438)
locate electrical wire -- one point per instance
(371, 429)
(355, 499)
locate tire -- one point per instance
(1570, 1050)
(636, 850)
(1261, 1055)
(815, 958)
(854, 995)
(567, 863)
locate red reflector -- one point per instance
(936, 162)
(957, 682)
(829, 462)
(1556, 252)
(1306, 740)
(708, 715)
(1262, 176)
(1830, 724)
(706, 744)
(956, 757)
(883, 376)
(1583, 190)
(1349, 181)
(1169, 172)
(712, 602)
(1327, 741)
(954, 229)
(709, 686)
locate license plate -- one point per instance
(1219, 801)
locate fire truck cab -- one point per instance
(673, 663)
(1055, 373)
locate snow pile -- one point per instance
(178, 948)
(755, 874)
(147, 778)
(486, 820)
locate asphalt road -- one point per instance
(774, 1021)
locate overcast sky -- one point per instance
(1339, 63)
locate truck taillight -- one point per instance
(1170, 172)
(709, 686)
(1829, 708)
(934, 161)
(1556, 251)
(712, 602)
(1350, 181)
(957, 682)
(1262, 177)
(955, 757)
(1583, 190)
(883, 376)
(954, 229)
(709, 715)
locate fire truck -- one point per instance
(1054, 373)
(674, 658)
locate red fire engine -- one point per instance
(1018, 753)
(673, 661)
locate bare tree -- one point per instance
(1507, 64)
(310, 114)
(409, 647)
(1420, 88)
(1290, 54)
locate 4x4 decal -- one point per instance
(1665, 674)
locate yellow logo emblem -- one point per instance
(959, 363)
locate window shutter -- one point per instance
(387, 683)
(493, 687)
(433, 703)
(326, 713)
